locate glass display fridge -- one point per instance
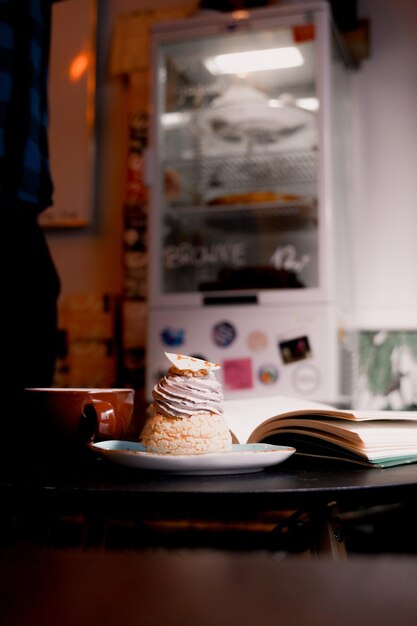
(248, 189)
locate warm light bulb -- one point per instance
(78, 66)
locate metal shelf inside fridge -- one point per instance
(290, 215)
(202, 179)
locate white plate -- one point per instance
(241, 460)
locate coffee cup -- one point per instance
(78, 415)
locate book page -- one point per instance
(386, 441)
(362, 435)
(244, 415)
(361, 416)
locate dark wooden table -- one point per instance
(204, 588)
(33, 485)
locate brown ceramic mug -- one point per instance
(77, 415)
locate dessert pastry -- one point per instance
(249, 197)
(255, 197)
(187, 412)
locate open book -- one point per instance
(373, 438)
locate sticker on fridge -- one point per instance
(237, 374)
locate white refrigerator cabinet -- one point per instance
(249, 236)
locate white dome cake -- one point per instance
(187, 412)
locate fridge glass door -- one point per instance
(237, 161)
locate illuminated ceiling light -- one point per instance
(254, 60)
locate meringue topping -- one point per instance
(185, 392)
